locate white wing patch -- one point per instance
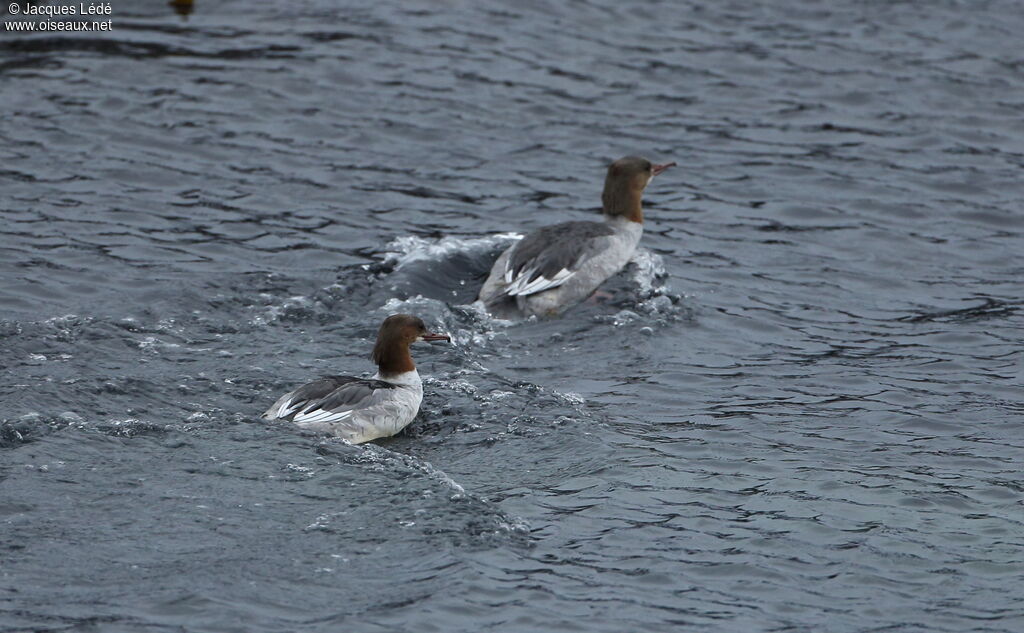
(522, 286)
(283, 407)
(322, 415)
(288, 405)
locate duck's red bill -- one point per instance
(657, 169)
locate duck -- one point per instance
(556, 267)
(364, 409)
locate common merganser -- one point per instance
(364, 409)
(556, 267)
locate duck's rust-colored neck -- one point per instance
(392, 356)
(622, 198)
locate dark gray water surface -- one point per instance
(800, 411)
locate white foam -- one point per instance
(649, 272)
(416, 304)
(302, 470)
(410, 248)
(382, 456)
(152, 344)
(458, 385)
(276, 311)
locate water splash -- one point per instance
(408, 249)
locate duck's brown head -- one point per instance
(624, 186)
(397, 333)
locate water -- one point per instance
(799, 411)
